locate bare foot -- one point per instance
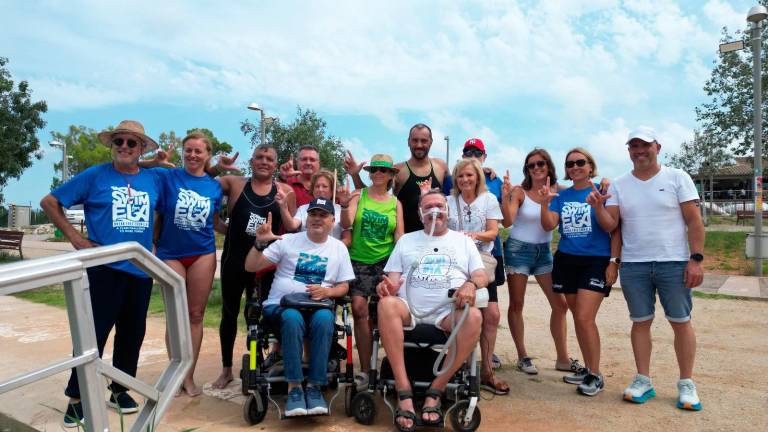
(223, 379)
(191, 389)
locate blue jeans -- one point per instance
(527, 258)
(293, 330)
(641, 280)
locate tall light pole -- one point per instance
(756, 16)
(64, 165)
(447, 151)
(263, 131)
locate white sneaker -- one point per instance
(526, 365)
(640, 390)
(688, 399)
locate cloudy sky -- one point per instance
(518, 74)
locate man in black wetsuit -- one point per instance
(249, 202)
(412, 173)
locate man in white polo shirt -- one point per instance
(662, 243)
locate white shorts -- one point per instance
(435, 319)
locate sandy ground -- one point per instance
(731, 366)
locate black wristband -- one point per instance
(260, 245)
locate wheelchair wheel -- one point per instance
(457, 417)
(244, 384)
(349, 394)
(364, 408)
(251, 410)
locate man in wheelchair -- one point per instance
(422, 269)
(314, 263)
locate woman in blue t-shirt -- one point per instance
(581, 261)
(186, 240)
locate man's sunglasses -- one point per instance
(118, 142)
(473, 152)
(539, 164)
(378, 169)
(578, 163)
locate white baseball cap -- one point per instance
(644, 133)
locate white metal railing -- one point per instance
(69, 269)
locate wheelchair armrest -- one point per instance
(303, 301)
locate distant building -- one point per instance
(737, 178)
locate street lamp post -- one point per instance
(263, 132)
(756, 16)
(447, 151)
(64, 167)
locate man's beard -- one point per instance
(419, 154)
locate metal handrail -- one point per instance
(69, 269)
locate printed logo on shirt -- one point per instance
(577, 219)
(254, 222)
(310, 269)
(373, 225)
(130, 211)
(432, 271)
(192, 210)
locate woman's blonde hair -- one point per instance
(480, 187)
(323, 173)
(590, 160)
(196, 134)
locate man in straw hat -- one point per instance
(119, 200)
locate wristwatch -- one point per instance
(615, 260)
(697, 257)
(260, 246)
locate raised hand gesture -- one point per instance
(287, 170)
(162, 156)
(227, 163)
(344, 196)
(350, 164)
(545, 192)
(596, 198)
(425, 186)
(264, 232)
(281, 198)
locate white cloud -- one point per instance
(722, 14)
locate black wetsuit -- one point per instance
(249, 213)
(409, 197)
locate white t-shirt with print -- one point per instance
(652, 224)
(301, 262)
(442, 262)
(474, 216)
(301, 216)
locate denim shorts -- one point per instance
(641, 280)
(527, 258)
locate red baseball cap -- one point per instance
(476, 143)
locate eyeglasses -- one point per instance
(378, 169)
(473, 152)
(578, 163)
(537, 164)
(118, 142)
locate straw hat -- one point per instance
(381, 160)
(130, 127)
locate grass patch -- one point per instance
(724, 253)
(711, 296)
(6, 258)
(54, 296)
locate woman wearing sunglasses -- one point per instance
(186, 241)
(376, 219)
(527, 252)
(581, 261)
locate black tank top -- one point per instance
(409, 197)
(249, 213)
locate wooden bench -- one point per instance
(742, 215)
(11, 240)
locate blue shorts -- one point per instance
(527, 258)
(641, 280)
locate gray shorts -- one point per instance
(367, 276)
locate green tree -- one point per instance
(727, 116)
(20, 119)
(306, 129)
(84, 150)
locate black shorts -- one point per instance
(571, 273)
(367, 276)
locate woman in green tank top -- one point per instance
(376, 219)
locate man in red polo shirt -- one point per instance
(299, 180)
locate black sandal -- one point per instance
(437, 409)
(405, 414)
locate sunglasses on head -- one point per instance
(578, 163)
(378, 169)
(473, 152)
(118, 142)
(539, 164)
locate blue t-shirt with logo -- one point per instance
(580, 233)
(187, 214)
(494, 187)
(118, 207)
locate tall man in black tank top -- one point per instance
(249, 202)
(413, 172)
